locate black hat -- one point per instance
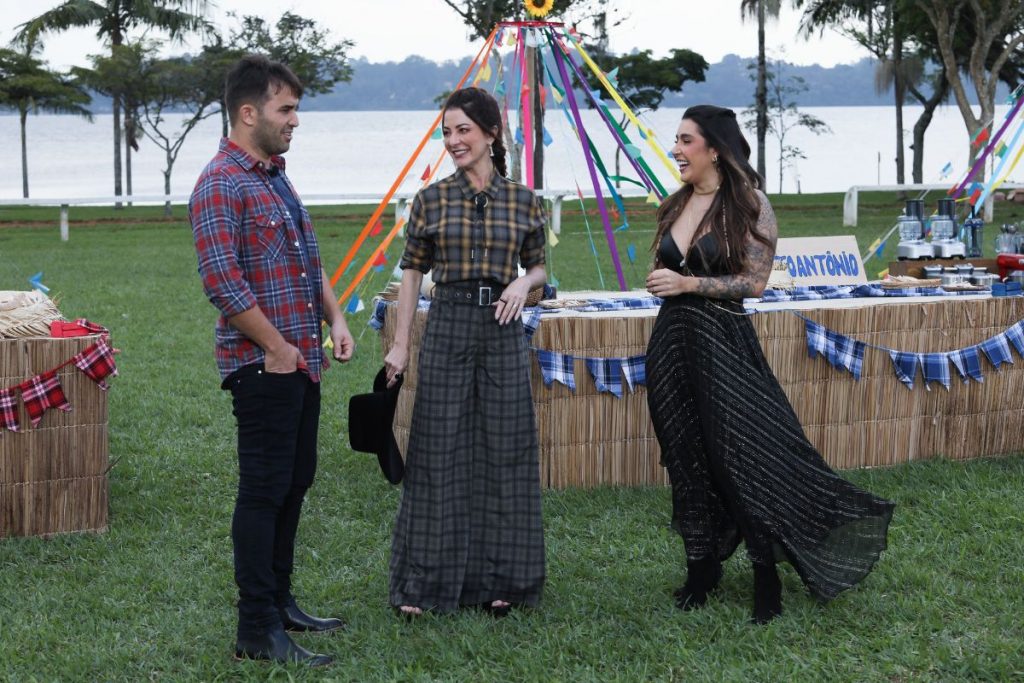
(370, 418)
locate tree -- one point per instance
(643, 81)
(114, 20)
(783, 114)
(27, 85)
(894, 33)
(762, 9)
(996, 28)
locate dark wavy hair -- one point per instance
(249, 82)
(481, 107)
(735, 208)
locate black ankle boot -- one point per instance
(702, 577)
(276, 646)
(295, 620)
(767, 593)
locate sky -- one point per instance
(390, 30)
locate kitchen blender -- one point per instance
(910, 224)
(945, 241)
(973, 229)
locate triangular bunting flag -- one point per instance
(967, 363)
(997, 350)
(377, 227)
(41, 393)
(1015, 334)
(635, 370)
(552, 238)
(426, 174)
(905, 365)
(557, 367)
(485, 72)
(97, 362)
(8, 410)
(547, 137)
(355, 305)
(607, 374)
(437, 134)
(936, 369)
(381, 259)
(652, 198)
(631, 253)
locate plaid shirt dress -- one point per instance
(469, 527)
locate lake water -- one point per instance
(363, 152)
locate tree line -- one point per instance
(926, 51)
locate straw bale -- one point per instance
(53, 476)
(589, 438)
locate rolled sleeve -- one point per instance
(532, 252)
(419, 245)
(215, 211)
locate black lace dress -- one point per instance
(739, 463)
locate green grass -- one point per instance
(152, 599)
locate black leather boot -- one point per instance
(767, 593)
(702, 577)
(295, 620)
(276, 646)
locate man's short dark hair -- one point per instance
(250, 80)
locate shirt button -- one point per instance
(296, 243)
(309, 305)
(302, 275)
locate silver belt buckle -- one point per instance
(480, 296)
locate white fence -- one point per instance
(853, 196)
(400, 200)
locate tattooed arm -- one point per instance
(748, 283)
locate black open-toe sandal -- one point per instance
(497, 612)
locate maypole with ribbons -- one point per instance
(568, 67)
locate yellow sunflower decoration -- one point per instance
(538, 8)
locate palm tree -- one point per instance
(762, 9)
(27, 85)
(113, 20)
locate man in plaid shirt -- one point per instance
(260, 267)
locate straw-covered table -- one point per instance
(53, 476)
(591, 438)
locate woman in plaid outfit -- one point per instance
(469, 528)
(737, 458)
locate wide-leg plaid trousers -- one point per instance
(469, 527)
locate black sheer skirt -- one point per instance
(739, 463)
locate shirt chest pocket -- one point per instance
(269, 235)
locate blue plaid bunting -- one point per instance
(598, 305)
(967, 363)
(635, 370)
(816, 338)
(935, 367)
(997, 349)
(607, 374)
(1015, 334)
(905, 365)
(557, 367)
(531, 321)
(819, 292)
(844, 352)
(377, 319)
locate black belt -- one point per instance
(480, 293)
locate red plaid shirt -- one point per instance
(251, 252)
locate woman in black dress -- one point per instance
(469, 528)
(740, 466)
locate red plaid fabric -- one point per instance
(79, 328)
(97, 362)
(41, 393)
(251, 252)
(8, 410)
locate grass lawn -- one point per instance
(153, 598)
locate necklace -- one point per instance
(695, 191)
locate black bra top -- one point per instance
(704, 256)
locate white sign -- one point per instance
(822, 260)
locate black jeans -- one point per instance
(278, 416)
